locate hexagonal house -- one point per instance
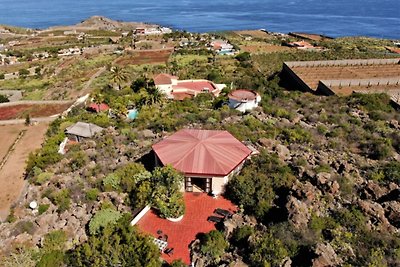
(207, 158)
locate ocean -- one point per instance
(374, 18)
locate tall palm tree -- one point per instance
(154, 95)
(118, 76)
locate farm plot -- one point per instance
(19, 111)
(145, 57)
(12, 173)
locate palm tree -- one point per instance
(119, 75)
(155, 96)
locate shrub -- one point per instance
(55, 240)
(387, 173)
(169, 205)
(43, 208)
(240, 236)
(42, 178)
(3, 98)
(111, 182)
(377, 148)
(62, 199)
(372, 102)
(24, 227)
(78, 160)
(296, 135)
(23, 73)
(92, 194)
(116, 244)
(102, 218)
(213, 245)
(267, 251)
(51, 259)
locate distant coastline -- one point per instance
(336, 18)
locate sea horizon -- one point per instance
(336, 18)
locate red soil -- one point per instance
(34, 110)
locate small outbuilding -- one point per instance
(244, 100)
(207, 158)
(95, 107)
(81, 130)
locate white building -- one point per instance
(244, 100)
(177, 89)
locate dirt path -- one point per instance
(12, 174)
(7, 136)
(86, 88)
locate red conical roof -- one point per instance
(202, 152)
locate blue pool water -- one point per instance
(330, 17)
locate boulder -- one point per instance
(323, 177)
(283, 152)
(392, 212)
(334, 188)
(268, 144)
(373, 191)
(298, 212)
(326, 256)
(376, 213)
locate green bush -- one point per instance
(24, 227)
(3, 98)
(111, 182)
(92, 194)
(387, 173)
(62, 199)
(102, 218)
(213, 245)
(240, 236)
(23, 72)
(78, 160)
(116, 244)
(43, 178)
(51, 259)
(296, 135)
(267, 251)
(43, 208)
(55, 240)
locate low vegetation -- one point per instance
(325, 178)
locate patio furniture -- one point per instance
(169, 251)
(214, 219)
(161, 244)
(222, 212)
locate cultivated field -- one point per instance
(145, 57)
(312, 75)
(12, 173)
(263, 48)
(34, 110)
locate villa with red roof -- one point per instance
(173, 88)
(207, 158)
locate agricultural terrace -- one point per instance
(20, 110)
(309, 74)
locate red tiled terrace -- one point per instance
(199, 206)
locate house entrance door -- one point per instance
(198, 184)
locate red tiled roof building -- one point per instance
(177, 89)
(206, 158)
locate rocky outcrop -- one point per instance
(326, 256)
(298, 212)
